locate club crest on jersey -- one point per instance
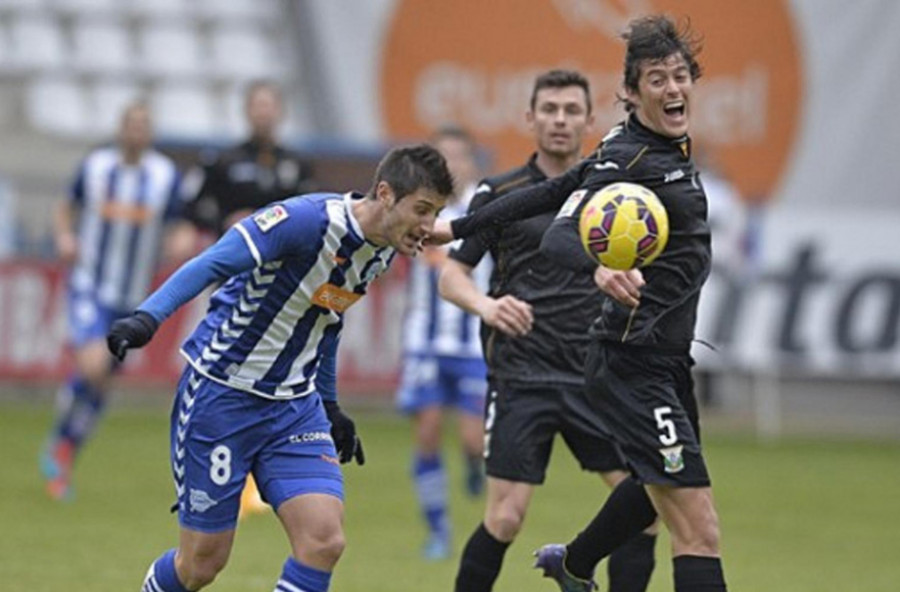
(270, 218)
(673, 460)
(334, 298)
(571, 204)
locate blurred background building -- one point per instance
(795, 109)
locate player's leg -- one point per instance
(631, 556)
(313, 523)
(690, 517)
(298, 473)
(422, 395)
(656, 422)
(195, 564)
(519, 428)
(82, 399)
(429, 476)
(468, 396)
(482, 557)
(211, 435)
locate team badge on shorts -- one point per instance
(673, 461)
(200, 501)
(269, 218)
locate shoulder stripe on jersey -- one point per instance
(249, 240)
(638, 157)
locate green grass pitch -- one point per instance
(800, 516)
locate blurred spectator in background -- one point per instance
(230, 185)
(443, 365)
(120, 200)
(727, 218)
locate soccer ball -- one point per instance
(624, 226)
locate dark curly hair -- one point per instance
(656, 37)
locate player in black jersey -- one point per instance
(535, 345)
(638, 366)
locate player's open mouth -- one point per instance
(674, 109)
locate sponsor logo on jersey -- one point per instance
(123, 212)
(333, 298)
(606, 165)
(673, 461)
(308, 437)
(673, 176)
(200, 501)
(270, 218)
(330, 459)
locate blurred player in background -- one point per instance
(535, 344)
(109, 231)
(232, 184)
(442, 364)
(638, 368)
(259, 391)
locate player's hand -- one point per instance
(440, 234)
(130, 332)
(508, 314)
(624, 286)
(67, 247)
(343, 432)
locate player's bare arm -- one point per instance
(507, 313)
(66, 240)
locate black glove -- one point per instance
(130, 332)
(343, 432)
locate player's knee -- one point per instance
(327, 546)
(201, 570)
(707, 531)
(504, 522)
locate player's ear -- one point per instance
(384, 193)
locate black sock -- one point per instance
(480, 563)
(698, 574)
(627, 512)
(631, 564)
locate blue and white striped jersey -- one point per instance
(268, 327)
(434, 326)
(123, 209)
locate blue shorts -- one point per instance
(89, 320)
(446, 381)
(220, 434)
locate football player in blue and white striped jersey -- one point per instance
(122, 197)
(443, 367)
(258, 394)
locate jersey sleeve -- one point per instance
(524, 203)
(291, 228)
(471, 250)
(562, 242)
(228, 257)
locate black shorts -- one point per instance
(521, 421)
(646, 400)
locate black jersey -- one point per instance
(562, 300)
(667, 312)
(246, 177)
